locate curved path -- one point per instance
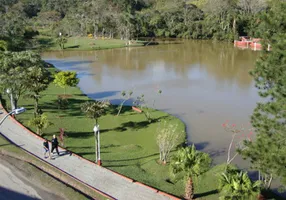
(100, 178)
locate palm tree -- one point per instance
(41, 122)
(236, 185)
(191, 163)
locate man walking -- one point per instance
(55, 144)
(46, 149)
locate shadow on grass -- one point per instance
(2, 145)
(132, 159)
(115, 108)
(204, 194)
(72, 109)
(79, 135)
(84, 147)
(107, 166)
(45, 41)
(142, 124)
(72, 47)
(109, 146)
(118, 129)
(135, 125)
(82, 154)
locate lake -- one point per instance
(204, 83)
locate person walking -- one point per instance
(55, 144)
(46, 149)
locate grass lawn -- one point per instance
(82, 43)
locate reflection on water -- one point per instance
(203, 83)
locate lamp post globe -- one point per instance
(16, 111)
(96, 130)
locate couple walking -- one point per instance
(55, 144)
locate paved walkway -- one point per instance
(93, 175)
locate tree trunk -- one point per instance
(189, 190)
(102, 33)
(164, 157)
(228, 161)
(15, 102)
(185, 13)
(36, 109)
(121, 107)
(234, 26)
(38, 131)
(95, 28)
(269, 181)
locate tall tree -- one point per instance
(36, 81)
(191, 163)
(14, 70)
(267, 152)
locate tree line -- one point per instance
(129, 19)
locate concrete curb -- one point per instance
(73, 154)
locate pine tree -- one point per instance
(267, 152)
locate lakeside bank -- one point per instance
(86, 43)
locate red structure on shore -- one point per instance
(246, 42)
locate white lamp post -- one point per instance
(97, 147)
(16, 111)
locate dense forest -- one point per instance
(130, 19)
